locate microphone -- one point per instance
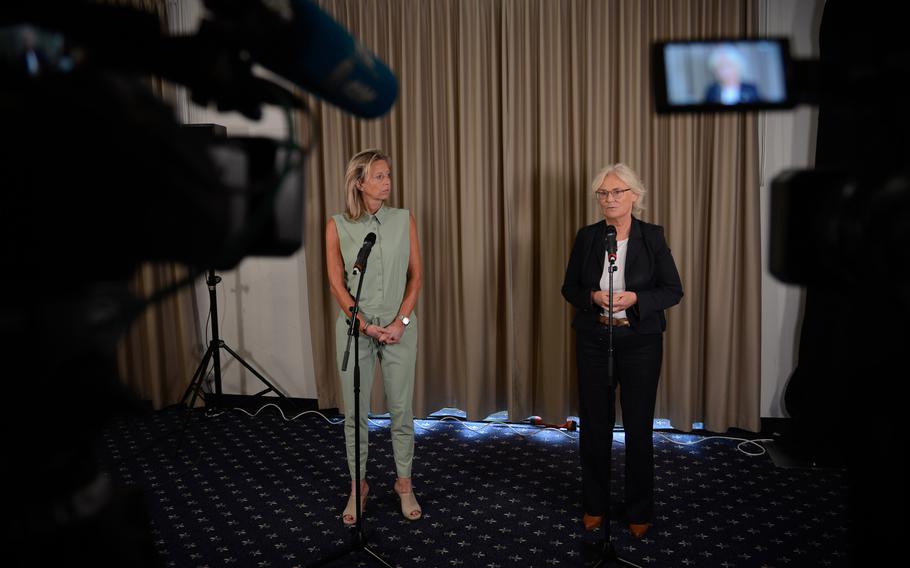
(611, 243)
(333, 65)
(295, 39)
(302, 43)
(361, 263)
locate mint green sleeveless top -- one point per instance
(386, 274)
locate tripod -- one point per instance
(213, 353)
(358, 538)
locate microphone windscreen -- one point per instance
(329, 62)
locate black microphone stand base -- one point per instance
(603, 554)
(358, 544)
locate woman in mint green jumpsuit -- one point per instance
(387, 322)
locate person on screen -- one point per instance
(386, 320)
(728, 88)
(645, 284)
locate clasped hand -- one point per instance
(389, 334)
(621, 300)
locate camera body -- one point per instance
(842, 230)
(98, 177)
(821, 220)
(100, 174)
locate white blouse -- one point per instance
(619, 278)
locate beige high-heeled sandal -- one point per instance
(410, 509)
(349, 515)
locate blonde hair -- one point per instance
(628, 175)
(357, 172)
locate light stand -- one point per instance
(213, 353)
(359, 538)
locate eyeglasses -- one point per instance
(615, 193)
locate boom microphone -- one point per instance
(292, 38)
(299, 41)
(338, 68)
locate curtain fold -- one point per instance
(507, 108)
(157, 356)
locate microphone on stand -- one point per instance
(359, 266)
(361, 262)
(611, 243)
(611, 256)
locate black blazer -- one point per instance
(650, 272)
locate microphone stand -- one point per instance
(359, 538)
(611, 377)
(608, 556)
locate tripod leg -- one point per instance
(295, 409)
(252, 370)
(197, 376)
(196, 386)
(199, 380)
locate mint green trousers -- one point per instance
(398, 363)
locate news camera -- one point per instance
(842, 230)
(824, 219)
(97, 177)
(94, 153)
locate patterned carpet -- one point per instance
(264, 492)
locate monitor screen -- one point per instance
(717, 75)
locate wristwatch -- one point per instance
(405, 320)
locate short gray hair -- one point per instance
(628, 175)
(727, 52)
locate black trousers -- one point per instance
(637, 361)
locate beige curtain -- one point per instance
(157, 356)
(506, 110)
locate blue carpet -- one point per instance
(263, 492)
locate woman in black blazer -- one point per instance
(645, 283)
(728, 88)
